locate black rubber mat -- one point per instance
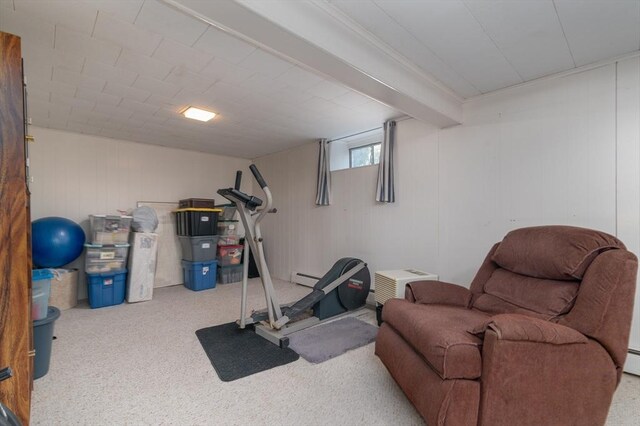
(236, 353)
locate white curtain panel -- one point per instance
(385, 190)
(323, 185)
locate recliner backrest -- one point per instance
(578, 277)
(509, 292)
(553, 252)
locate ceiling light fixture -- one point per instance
(198, 114)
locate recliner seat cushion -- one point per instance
(552, 252)
(493, 305)
(440, 334)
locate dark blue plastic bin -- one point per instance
(199, 275)
(106, 289)
(43, 341)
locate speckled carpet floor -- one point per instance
(142, 364)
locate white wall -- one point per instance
(628, 177)
(76, 175)
(306, 238)
(544, 153)
(339, 155)
(539, 154)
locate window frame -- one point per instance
(369, 145)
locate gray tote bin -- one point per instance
(199, 249)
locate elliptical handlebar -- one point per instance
(238, 180)
(258, 176)
(251, 202)
(267, 192)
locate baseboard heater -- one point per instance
(633, 362)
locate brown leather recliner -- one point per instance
(540, 338)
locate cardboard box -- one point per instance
(142, 266)
(64, 289)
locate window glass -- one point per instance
(364, 155)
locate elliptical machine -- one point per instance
(343, 288)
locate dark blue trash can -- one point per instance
(42, 340)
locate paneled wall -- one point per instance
(539, 154)
(628, 178)
(75, 175)
(307, 238)
(559, 151)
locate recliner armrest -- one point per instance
(437, 292)
(522, 328)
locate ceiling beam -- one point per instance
(314, 35)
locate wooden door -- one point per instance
(15, 256)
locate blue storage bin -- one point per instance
(106, 289)
(199, 275)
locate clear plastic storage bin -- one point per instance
(228, 211)
(107, 229)
(105, 258)
(107, 252)
(230, 274)
(40, 290)
(227, 227)
(228, 240)
(230, 255)
(94, 266)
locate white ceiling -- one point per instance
(478, 46)
(125, 68)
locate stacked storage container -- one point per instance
(229, 248)
(40, 291)
(196, 224)
(106, 259)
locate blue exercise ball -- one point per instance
(55, 241)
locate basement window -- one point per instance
(360, 150)
(367, 155)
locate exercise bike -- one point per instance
(342, 289)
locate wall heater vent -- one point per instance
(390, 284)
